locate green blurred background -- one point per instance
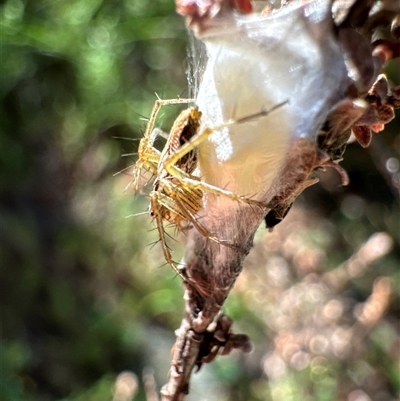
(87, 305)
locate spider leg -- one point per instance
(155, 203)
(147, 160)
(200, 228)
(203, 135)
(149, 156)
(156, 108)
(185, 203)
(212, 189)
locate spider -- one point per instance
(177, 193)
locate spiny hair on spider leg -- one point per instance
(190, 224)
(129, 154)
(151, 245)
(165, 232)
(170, 225)
(141, 116)
(176, 229)
(145, 184)
(178, 97)
(136, 193)
(180, 275)
(170, 236)
(148, 181)
(177, 274)
(166, 245)
(264, 112)
(253, 195)
(158, 97)
(129, 185)
(168, 264)
(164, 264)
(150, 230)
(125, 138)
(123, 170)
(182, 93)
(181, 231)
(136, 214)
(250, 206)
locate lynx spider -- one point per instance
(177, 194)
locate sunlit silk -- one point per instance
(254, 63)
